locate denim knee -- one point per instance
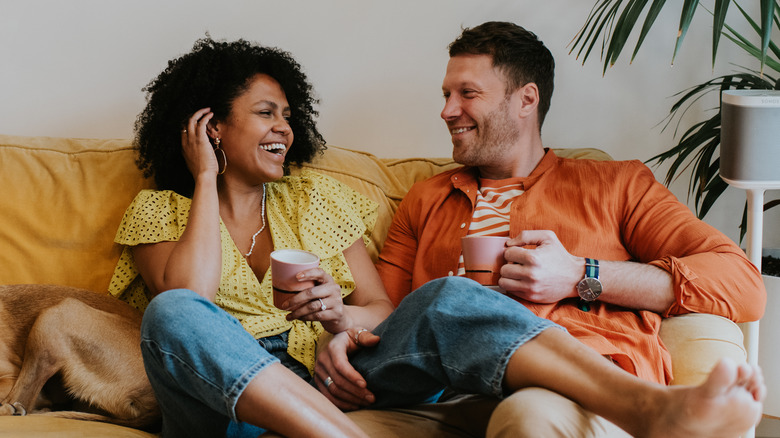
(169, 312)
(446, 300)
(199, 358)
(452, 331)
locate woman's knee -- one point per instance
(170, 310)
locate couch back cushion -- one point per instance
(65, 197)
(61, 206)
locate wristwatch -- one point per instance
(589, 288)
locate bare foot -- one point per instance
(727, 404)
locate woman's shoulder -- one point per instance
(309, 178)
(159, 198)
(153, 215)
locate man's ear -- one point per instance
(528, 96)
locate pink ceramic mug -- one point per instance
(483, 257)
(285, 265)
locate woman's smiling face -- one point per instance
(256, 135)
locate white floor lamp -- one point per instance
(750, 160)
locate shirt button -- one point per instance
(450, 274)
(463, 225)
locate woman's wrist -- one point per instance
(345, 323)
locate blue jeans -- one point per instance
(449, 333)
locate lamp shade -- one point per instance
(750, 138)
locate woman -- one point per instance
(216, 135)
(229, 159)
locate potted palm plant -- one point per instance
(610, 24)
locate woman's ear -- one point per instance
(212, 129)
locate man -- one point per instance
(600, 248)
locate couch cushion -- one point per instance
(41, 426)
(63, 201)
(697, 341)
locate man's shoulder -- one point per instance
(602, 168)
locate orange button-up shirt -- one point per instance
(608, 210)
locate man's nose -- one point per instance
(451, 109)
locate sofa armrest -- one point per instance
(697, 341)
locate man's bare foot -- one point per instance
(727, 404)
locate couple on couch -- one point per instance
(217, 136)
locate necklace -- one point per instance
(262, 215)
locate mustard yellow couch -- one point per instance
(64, 198)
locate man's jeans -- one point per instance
(449, 333)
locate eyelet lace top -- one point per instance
(311, 212)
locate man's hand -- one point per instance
(546, 273)
(348, 388)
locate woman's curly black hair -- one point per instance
(212, 75)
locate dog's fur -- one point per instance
(64, 344)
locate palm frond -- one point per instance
(718, 20)
(652, 14)
(623, 28)
(767, 13)
(688, 11)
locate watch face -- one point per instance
(589, 288)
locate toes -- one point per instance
(722, 377)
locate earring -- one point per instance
(217, 141)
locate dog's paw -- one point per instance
(15, 409)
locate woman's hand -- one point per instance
(196, 147)
(321, 303)
(334, 375)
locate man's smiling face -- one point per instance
(478, 111)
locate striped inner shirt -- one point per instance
(491, 214)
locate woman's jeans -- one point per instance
(450, 333)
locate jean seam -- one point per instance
(497, 385)
(242, 381)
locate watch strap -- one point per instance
(591, 268)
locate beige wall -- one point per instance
(76, 68)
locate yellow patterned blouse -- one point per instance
(311, 212)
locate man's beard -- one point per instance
(497, 134)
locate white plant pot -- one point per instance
(768, 349)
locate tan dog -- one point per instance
(75, 345)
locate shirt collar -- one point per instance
(466, 178)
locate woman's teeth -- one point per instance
(275, 147)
